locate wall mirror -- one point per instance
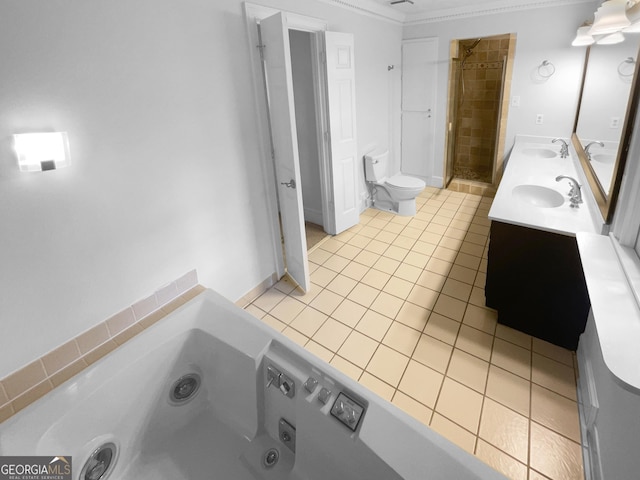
(606, 112)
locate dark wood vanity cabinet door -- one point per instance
(535, 281)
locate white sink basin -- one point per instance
(603, 158)
(538, 195)
(539, 152)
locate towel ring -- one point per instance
(629, 61)
(549, 67)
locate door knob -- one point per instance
(290, 184)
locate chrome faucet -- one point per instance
(575, 196)
(564, 148)
(586, 149)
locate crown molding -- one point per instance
(384, 12)
(497, 7)
(369, 8)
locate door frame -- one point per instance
(505, 96)
(253, 14)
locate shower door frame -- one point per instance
(452, 114)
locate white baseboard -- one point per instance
(437, 182)
(312, 215)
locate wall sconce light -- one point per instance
(42, 151)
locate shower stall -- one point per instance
(477, 110)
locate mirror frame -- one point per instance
(607, 202)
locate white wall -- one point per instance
(167, 174)
(306, 125)
(542, 34)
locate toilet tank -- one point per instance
(375, 165)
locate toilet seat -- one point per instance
(405, 181)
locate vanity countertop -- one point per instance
(614, 307)
(536, 161)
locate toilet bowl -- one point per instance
(396, 193)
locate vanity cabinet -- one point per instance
(609, 414)
(536, 283)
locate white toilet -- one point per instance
(396, 193)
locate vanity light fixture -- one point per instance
(611, 39)
(633, 14)
(610, 21)
(611, 17)
(42, 151)
(583, 38)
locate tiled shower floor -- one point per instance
(397, 303)
(476, 174)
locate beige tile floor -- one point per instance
(397, 303)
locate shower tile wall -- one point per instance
(478, 115)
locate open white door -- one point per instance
(275, 38)
(342, 131)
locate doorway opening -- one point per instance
(480, 73)
(306, 119)
(315, 234)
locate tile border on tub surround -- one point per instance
(26, 385)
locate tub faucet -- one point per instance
(586, 149)
(564, 148)
(575, 196)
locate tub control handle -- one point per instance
(348, 411)
(281, 381)
(272, 375)
(290, 184)
(287, 387)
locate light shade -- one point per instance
(582, 37)
(42, 151)
(633, 14)
(612, 39)
(610, 17)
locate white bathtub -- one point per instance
(226, 428)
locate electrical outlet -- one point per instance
(515, 101)
(615, 122)
(539, 119)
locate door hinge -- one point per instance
(326, 136)
(323, 57)
(261, 47)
